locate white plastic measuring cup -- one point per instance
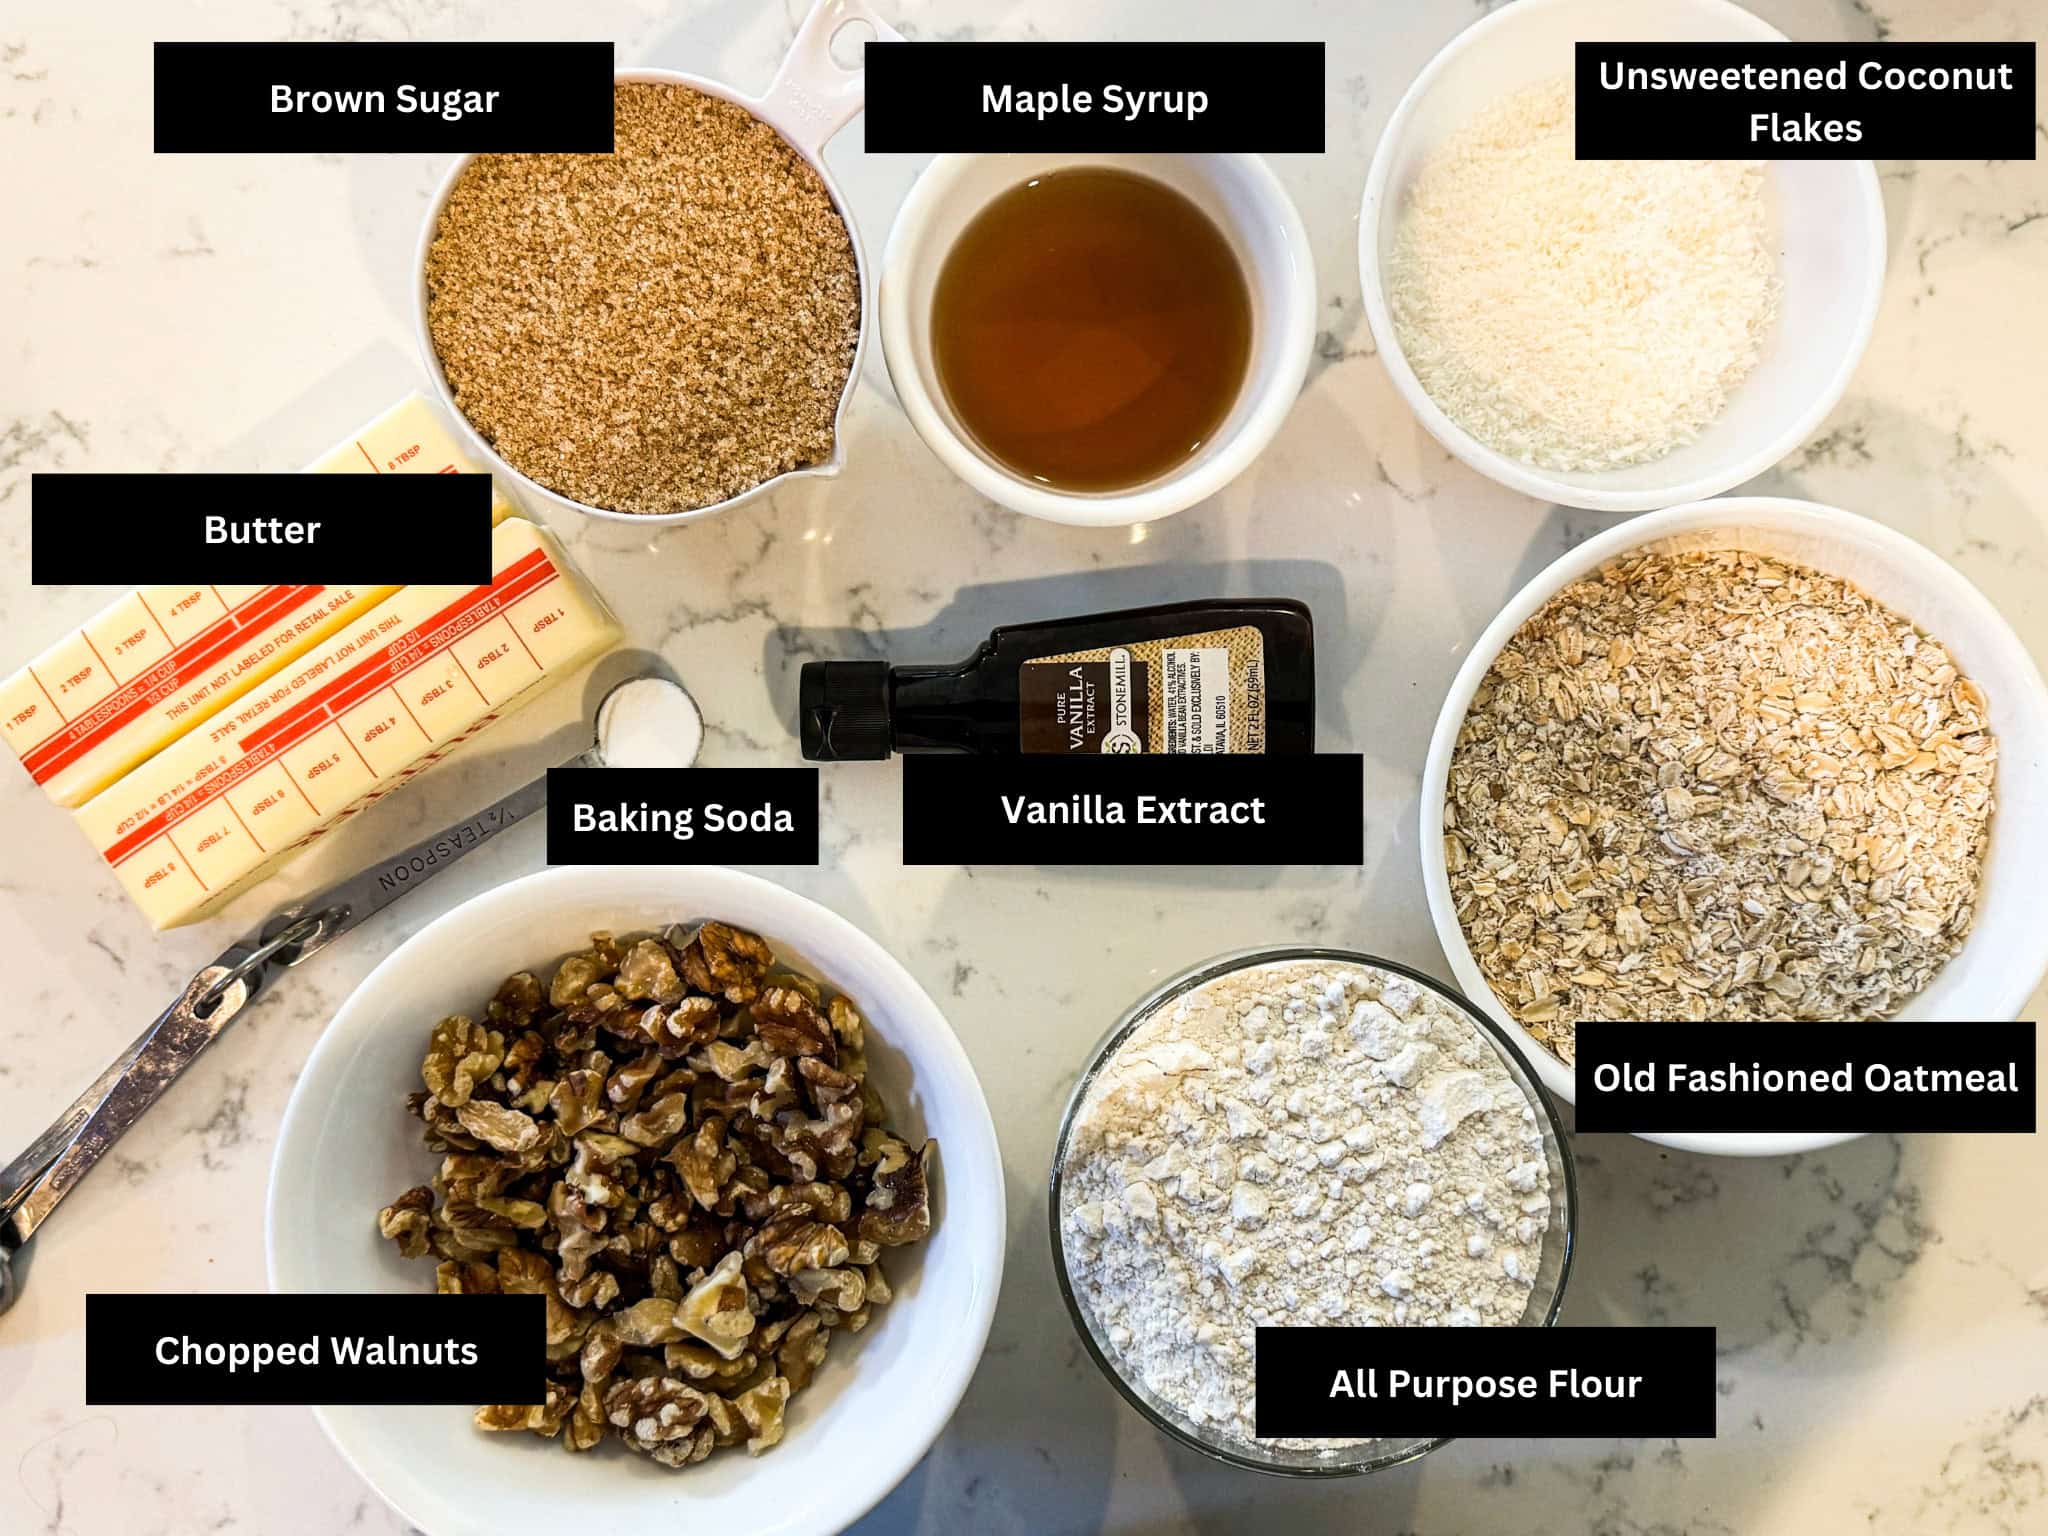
(811, 98)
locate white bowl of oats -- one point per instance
(1738, 761)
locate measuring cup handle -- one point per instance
(813, 95)
(44, 1174)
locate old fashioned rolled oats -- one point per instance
(1717, 785)
(674, 1142)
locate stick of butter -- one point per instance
(349, 722)
(408, 439)
(152, 665)
(158, 661)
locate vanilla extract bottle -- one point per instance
(1227, 675)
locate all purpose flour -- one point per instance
(1297, 1142)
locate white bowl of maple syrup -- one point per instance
(1103, 384)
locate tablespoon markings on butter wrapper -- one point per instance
(35, 1181)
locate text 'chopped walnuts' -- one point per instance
(674, 1142)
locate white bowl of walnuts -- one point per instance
(1747, 759)
(730, 1140)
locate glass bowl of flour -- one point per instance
(1308, 1137)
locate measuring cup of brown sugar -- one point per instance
(675, 328)
(1097, 339)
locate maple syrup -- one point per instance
(1091, 329)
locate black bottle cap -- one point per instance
(844, 710)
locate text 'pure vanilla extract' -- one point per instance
(1229, 676)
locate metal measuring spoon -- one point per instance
(33, 1184)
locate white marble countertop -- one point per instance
(1883, 1307)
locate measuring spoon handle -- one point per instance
(32, 1185)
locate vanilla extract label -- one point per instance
(1819, 1077)
(682, 816)
(1107, 808)
(297, 1349)
(1804, 101)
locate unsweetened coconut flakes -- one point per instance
(1579, 315)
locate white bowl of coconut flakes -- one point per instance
(1985, 688)
(1612, 335)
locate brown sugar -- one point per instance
(653, 330)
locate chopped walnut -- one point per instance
(406, 1221)
(790, 1025)
(517, 1213)
(899, 1205)
(659, 1123)
(518, 1002)
(728, 1424)
(843, 1289)
(733, 1063)
(846, 1023)
(704, 1162)
(578, 1245)
(630, 1081)
(602, 1006)
(664, 1279)
(578, 1100)
(679, 1152)
(602, 1351)
(586, 1426)
(827, 1083)
(466, 1277)
(700, 1362)
(649, 971)
(573, 979)
(718, 1309)
(542, 1418)
(879, 1293)
(652, 1321)
(493, 1124)
(829, 1202)
(762, 1408)
(676, 1031)
(459, 1056)
(700, 1442)
(802, 1350)
(595, 1179)
(567, 1327)
(696, 1246)
(597, 1288)
(521, 1057)
(727, 962)
(522, 1272)
(796, 1240)
(652, 1410)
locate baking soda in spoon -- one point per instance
(649, 722)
